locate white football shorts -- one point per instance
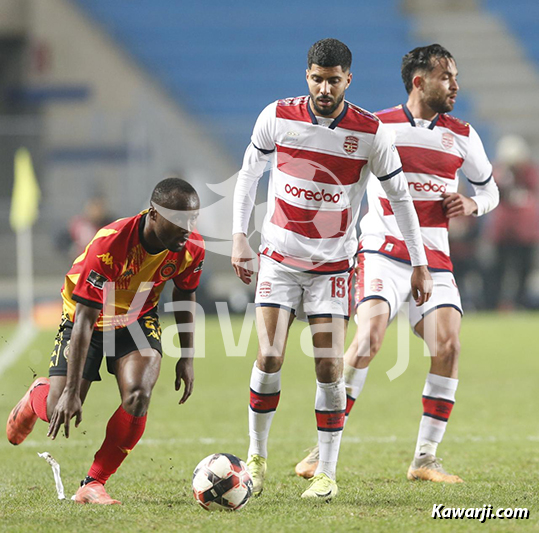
(382, 278)
(304, 294)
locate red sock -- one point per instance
(38, 400)
(349, 404)
(123, 432)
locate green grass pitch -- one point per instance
(492, 441)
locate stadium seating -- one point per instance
(522, 17)
(226, 64)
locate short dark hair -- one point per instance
(170, 191)
(330, 53)
(421, 58)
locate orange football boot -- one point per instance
(307, 467)
(22, 418)
(429, 468)
(94, 492)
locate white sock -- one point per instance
(330, 405)
(265, 393)
(354, 382)
(438, 401)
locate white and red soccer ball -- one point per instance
(222, 482)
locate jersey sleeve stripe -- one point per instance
(318, 167)
(187, 291)
(480, 182)
(389, 176)
(85, 301)
(265, 152)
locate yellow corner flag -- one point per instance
(26, 193)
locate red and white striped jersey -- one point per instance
(320, 168)
(431, 153)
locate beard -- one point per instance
(440, 104)
(325, 111)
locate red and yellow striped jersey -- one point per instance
(117, 256)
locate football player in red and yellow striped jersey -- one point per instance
(113, 289)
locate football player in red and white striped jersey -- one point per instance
(322, 150)
(433, 146)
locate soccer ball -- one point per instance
(222, 482)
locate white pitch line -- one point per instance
(73, 443)
(23, 337)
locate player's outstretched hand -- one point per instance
(421, 285)
(186, 373)
(68, 406)
(242, 257)
(456, 205)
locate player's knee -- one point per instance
(448, 348)
(137, 401)
(328, 369)
(269, 360)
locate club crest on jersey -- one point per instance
(168, 269)
(264, 290)
(377, 285)
(448, 140)
(350, 144)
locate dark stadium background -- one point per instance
(111, 96)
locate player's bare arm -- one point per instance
(242, 257)
(69, 403)
(456, 204)
(184, 367)
(421, 285)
